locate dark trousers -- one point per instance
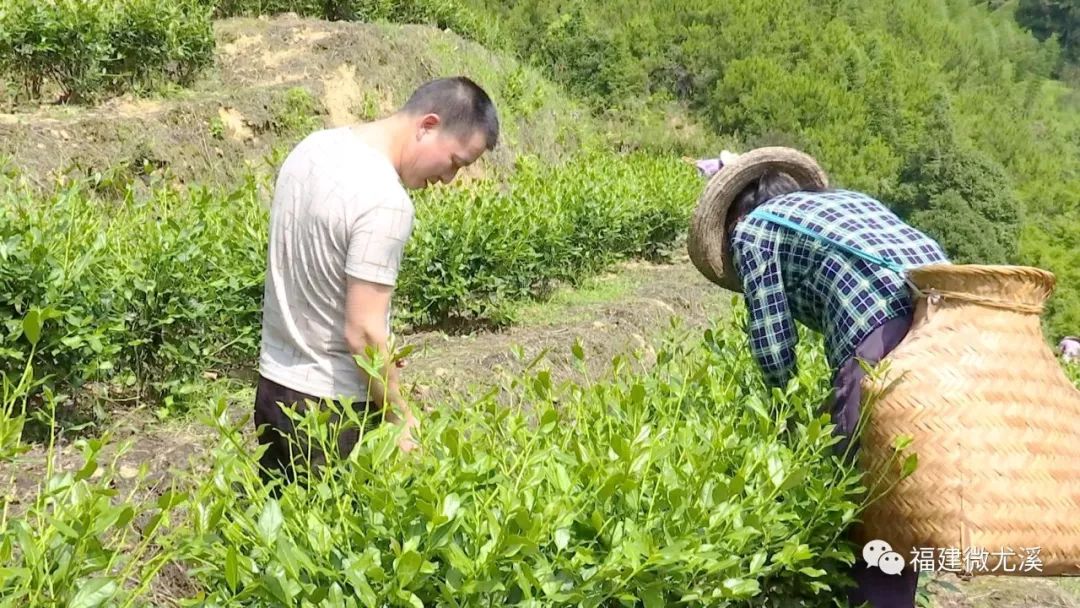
(286, 446)
(872, 585)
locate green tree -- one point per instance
(1060, 18)
(960, 196)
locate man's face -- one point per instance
(436, 155)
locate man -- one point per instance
(339, 222)
(832, 260)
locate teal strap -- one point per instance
(869, 257)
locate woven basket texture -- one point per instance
(995, 426)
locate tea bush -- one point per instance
(149, 291)
(454, 14)
(682, 481)
(135, 290)
(91, 47)
(483, 247)
(72, 539)
(1073, 372)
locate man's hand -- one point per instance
(408, 441)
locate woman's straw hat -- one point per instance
(707, 242)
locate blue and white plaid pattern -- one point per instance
(789, 276)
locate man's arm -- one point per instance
(366, 307)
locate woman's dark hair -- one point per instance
(770, 185)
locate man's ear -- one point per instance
(430, 122)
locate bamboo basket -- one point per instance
(995, 423)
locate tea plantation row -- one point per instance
(150, 291)
(683, 482)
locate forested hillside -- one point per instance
(949, 110)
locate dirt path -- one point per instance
(622, 312)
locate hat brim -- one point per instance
(707, 241)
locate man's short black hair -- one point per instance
(462, 105)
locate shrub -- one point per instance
(87, 48)
(453, 14)
(963, 198)
(683, 481)
(147, 292)
(72, 539)
(686, 483)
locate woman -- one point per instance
(830, 259)
(1070, 349)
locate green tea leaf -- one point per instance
(270, 522)
(902, 442)
(231, 575)
(758, 561)
(652, 597)
(9, 576)
(776, 470)
(564, 483)
(451, 504)
(31, 326)
(562, 538)
(94, 593)
(385, 444)
(742, 588)
(910, 464)
(407, 566)
(578, 351)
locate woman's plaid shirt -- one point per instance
(789, 276)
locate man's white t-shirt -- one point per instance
(339, 210)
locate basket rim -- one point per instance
(1001, 270)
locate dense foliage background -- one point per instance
(949, 110)
(953, 111)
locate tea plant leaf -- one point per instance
(758, 561)
(31, 326)
(385, 442)
(742, 588)
(794, 479)
(776, 470)
(910, 464)
(231, 575)
(270, 522)
(577, 350)
(9, 576)
(563, 478)
(451, 504)
(94, 593)
(407, 566)
(562, 538)
(319, 534)
(902, 442)
(652, 597)
(336, 597)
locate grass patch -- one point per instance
(569, 304)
